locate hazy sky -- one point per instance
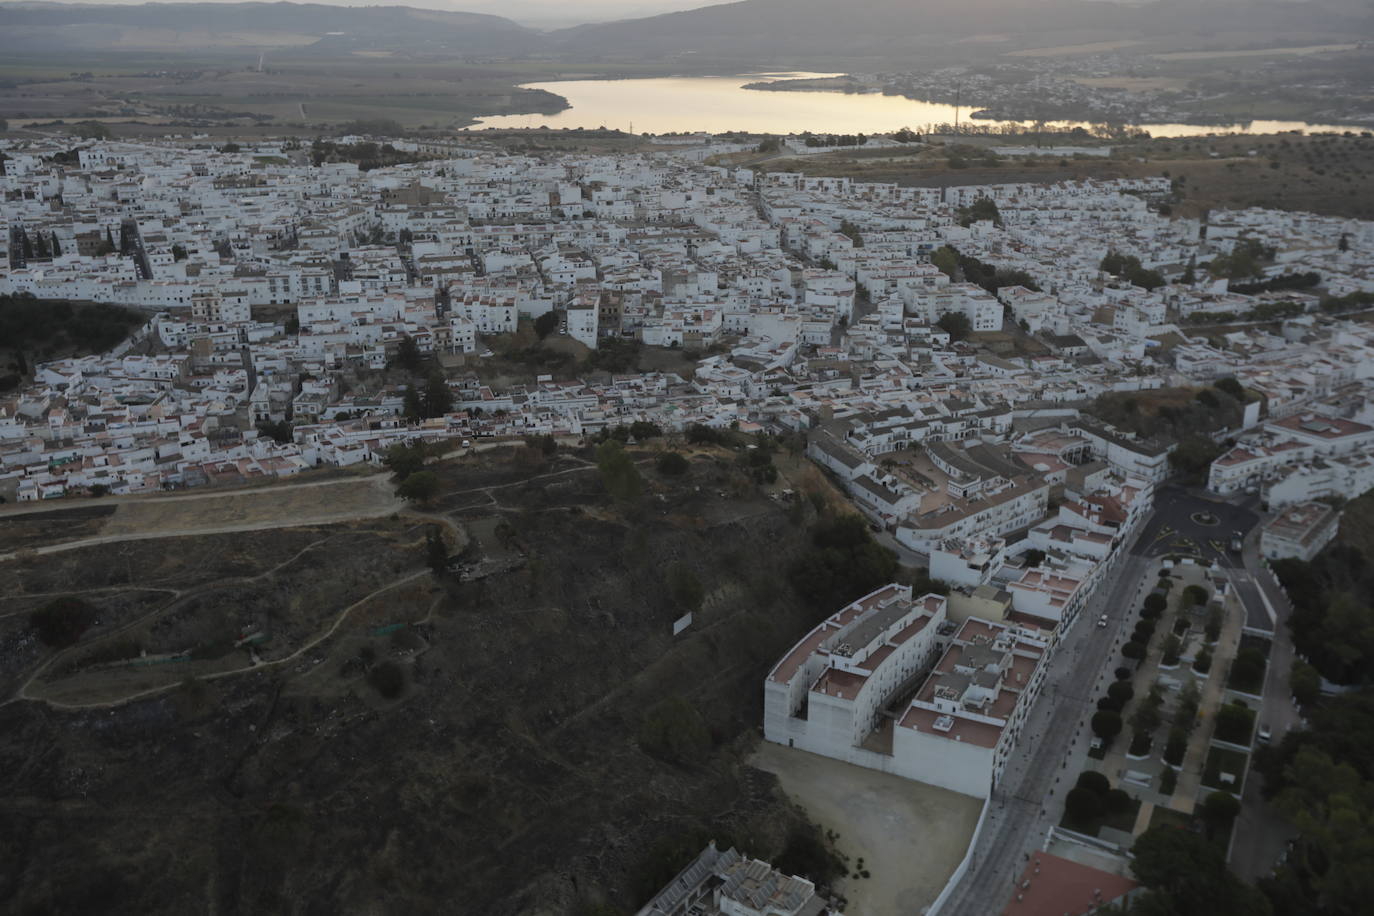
(538, 13)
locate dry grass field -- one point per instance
(1326, 174)
(292, 90)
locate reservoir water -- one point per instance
(720, 103)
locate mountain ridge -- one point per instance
(45, 26)
(861, 26)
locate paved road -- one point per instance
(1030, 797)
(905, 554)
(1175, 518)
(1261, 832)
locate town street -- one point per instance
(1055, 740)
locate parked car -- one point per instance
(1264, 733)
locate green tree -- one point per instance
(436, 552)
(672, 464)
(1305, 681)
(1194, 456)
(278, 432)
(1242, 263)
(1170, 650)
(674, 731)
(1230, 386)
(843, 564)
(946, 259)
(956, 325)
(546, 445)
(404, 459)
(438, 398)
(1202, 662)
(1332, 806)
(1155, 605)
(1195, 594)
(1106, 724)
(1082, 806)
(546, 324)
(685, 588)
(1185, 715)
(412, 408)
(1234, 723)
(61, 622)
(1216, 617)
(421, 487)
(408, 354)
(388, 678)
(981, 210)
(1247, 671)
(642, 430)
(1219, 809)
(1187, 876)
(1094, 781)
(1146, 718)
(1176, 746)
(618, 472)
(701, 434)
(852, 231)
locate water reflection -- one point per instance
(719, 103)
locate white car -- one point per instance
(1102, 621)
(1265, 734)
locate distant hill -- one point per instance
(203, 26)
(839, 27)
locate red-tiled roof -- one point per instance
(961, 729)
(1052, 886)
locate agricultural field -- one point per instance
(1327, 174)
(273, 89)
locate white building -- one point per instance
(1299, 531)
(832, 693)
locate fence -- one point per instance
(964, 863)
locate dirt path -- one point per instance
(178, 598)
(288, 506)
(55, 505)
(277, 504)
(154, 691)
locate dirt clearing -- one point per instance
(911, 836)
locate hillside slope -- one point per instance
(193, 26)
(544, 743)
(888, 26)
